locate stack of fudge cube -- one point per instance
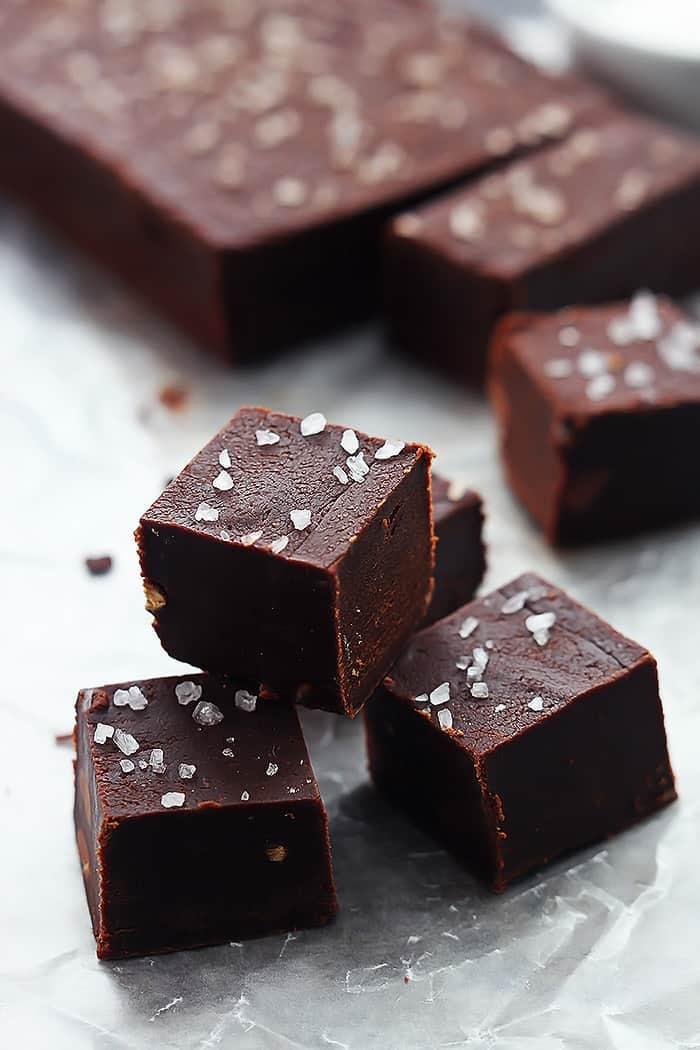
(295, 562)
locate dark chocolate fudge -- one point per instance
(599, 409)
(295, 553)
(197, 816)
(460, 557)
(235, 162)
(614, 208)
(504, 730)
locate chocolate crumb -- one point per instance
(99, 566)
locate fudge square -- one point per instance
(236, 162)
(460, 558)
(293, 552)
(598, 409)
(589, 220)
(197, 816)
(504, 730)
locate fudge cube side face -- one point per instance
(504, 731)
(460, 555)
(594, 441)
(202, 823)
(303, 560)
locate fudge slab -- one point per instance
(197, 816)
(235, 162)
(297, 558)
(598, 410)
(460, 556)
(526, 753)
(614, 208)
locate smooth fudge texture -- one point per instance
(614, 208)
(551, 737)
(197, 815)
(235, 162)
(308, 570)
(598, 409)
(460, 556)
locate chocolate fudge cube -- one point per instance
(585, 221)
(504, 730)
(197, 816)
(598, 408)
(235, 163)
(460, 557)
(292, 552)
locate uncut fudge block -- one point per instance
(304, 562)
(233, 163)
(460, 557)
(598, 408)
(526, 753)
(197, 816)
(588, 220)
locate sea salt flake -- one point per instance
(592, 363)
(186, 770)
(266, 437)
(480, 691)
(143, 764)
(421, 699)
(301, 519)
(349, 442)
(466, 222)
(644, 315)
(341, 476)
(223, 481)
(540, 621)
(558, 368)
(515, 603)
(389, 449)
(499, 707)
(441, 694)
(271, 769)
(187, 691)
(228, 753)
(480, 657)
(249, 538)
(445, 718)
(463, 662)
(600, 387)
(127, 766)
(621, 331)
(536, 704)
(569, 336)
(225, 535)
(121, 698)
(137, 700)
(245, 795)
(155, 760)
(474, 674)
(103, 733)
(315, 423)
(541, 637)
(127, 744)
(207, 714)
(278, 545)
(244, 700)
(468, 626)
(224, 459)
(639, 374)
(357, 467)
(172, 799)
(206, 513)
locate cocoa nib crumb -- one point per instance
(174, 396)
(99, 566)
(98, 701)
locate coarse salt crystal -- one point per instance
(441, 694)
(224, 459)
(621, 331)
(207, 714)
(127, 766)
(228, 753)
(465, 222)
(206, 513)
(474, 673)
(301, 519)
(271, 769)
(541, 637)
(357, 467)
(540, 621)
(558, 368)
(127, 744)
(315, 423)
(499, 707)
(245, 795)
(600, 387)
(223, 481)
(515, 603)
(422, 698)
(638, 374)
(172, 799)
(592, 363)
(445, 718)
(468, 626)
(137, 700)
(155, 760)
(186, 770)
(103, 733)
(569, 336)
(389, 449)
(644, 315)
(266, 437)
(341, 476)
(249, 538)
(278, 545)
(463, 662)
(480, 657)
(480, 691)
(187, 691)
(143, 764)
(536, 704)
(244, 700)
(225, 535)
(349, 442)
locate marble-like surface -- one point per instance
(597, 953)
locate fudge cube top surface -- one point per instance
(203, 739)
(504, 224)
(586, 361)
(249, 120)
(501, 665)
(301, 490)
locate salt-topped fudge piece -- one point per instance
(293, 552)
(460, 557)
(235, 162)
(588, 220)
(197, 816)
(504, 730)
(599, 411)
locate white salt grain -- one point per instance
(592, 363)
(207, 714)
(172, 799)
(186, 771)
(558, 368)
(315, 423)
(271, 769)
(441, 694)
(206, 513)
(249, 538)
(463, 663)
(515, 603)
(536, 704)
(301, 519)
(569, 336)
(468, 626)
(389, 449)
(126, 743)
(340, 475)
(244, 700)
(445, 718)
(540, 621)
(224, 459)
(223, 481)
(155, 760)
(266, 437)
(638, 374)
(600, 387)
(127, 766)
(480, 691)
(187, 691)
(278, 545)
(349, 442)
(103, 733)
(357, 467)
